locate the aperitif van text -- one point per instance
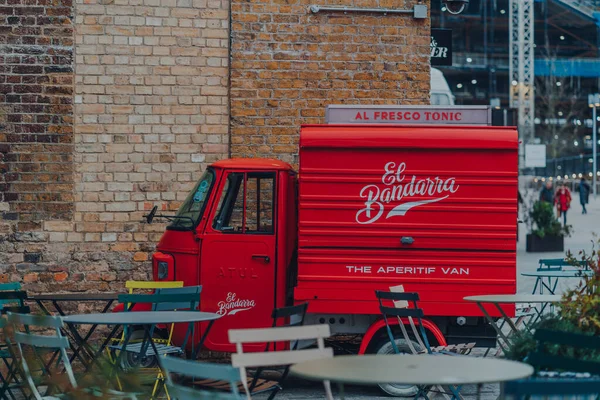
(413, 116)
(398, 270)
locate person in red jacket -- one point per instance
(562, 200)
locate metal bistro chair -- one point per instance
(200, 370)
(402, 312)
(51, 343)
(279, 358)
(550, 388)
(169, 299)
(11, 300)
(540, 359)
(257, 383)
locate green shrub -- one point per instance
(545, 222)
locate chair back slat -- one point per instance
(181, 305)
(551, 387)
(402, 312)
(279, 334)
(150, 285)
(15, 309)
(52, 342)
(16, 295)
(159, 298)
(274, 358)
(290, 311)
(200, 370)
(543, 360)
(43, 321)
(567, 338)
(396, 296)
(10, 286)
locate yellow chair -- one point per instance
(144, 286)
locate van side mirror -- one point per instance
(149, 217)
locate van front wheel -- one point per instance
(397, 390)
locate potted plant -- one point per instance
(545, 231)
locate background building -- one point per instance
(567, 65)
(109, 107)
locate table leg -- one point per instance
(110, 336)
(493, 323)
(508, 320)
(537, 281)
(478, 391)
(202, 339)
(81, 341)
(341, 389)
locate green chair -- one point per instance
(40, 344)
(11, 300)
(526, 388)
(578, 346)
(200, 370)
(55, 343)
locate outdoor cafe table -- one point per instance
(404, 369)
(57, 298)
(146, 319)
(498, 299)
(552, 278)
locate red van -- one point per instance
(430, 207)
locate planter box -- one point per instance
(535, 244)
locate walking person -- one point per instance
(562, 200)
(584, 194)
(547, 194)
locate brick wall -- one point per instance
(150, 82)
(288, 64)
(36, 133)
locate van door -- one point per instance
(238, 255)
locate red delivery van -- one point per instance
(429, 207)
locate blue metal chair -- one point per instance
(550, 387)
(55, 342)
(11, 299)
(200, 370)
(400, 310)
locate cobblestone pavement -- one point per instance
(581, 239)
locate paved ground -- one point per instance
(581, 239)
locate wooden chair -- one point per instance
(55, 342)
(279, 358)
(550, 388)
(200, 370)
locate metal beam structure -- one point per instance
(521, 67)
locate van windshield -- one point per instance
(193, 206)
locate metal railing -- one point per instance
(568, 167)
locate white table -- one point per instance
(420, 370)
(553, 277)
(147, 319)
(497, 299)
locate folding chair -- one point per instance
(55, 343)
(283, 316)
(279, 358)
(200, 370)
(11, 300)
(402, 312)
(151, 285)
(550, 388)
(170, 299)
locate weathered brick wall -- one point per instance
(288, 64)
(36, 87)
(151, 111)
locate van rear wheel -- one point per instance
(397, 390)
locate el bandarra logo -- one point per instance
(397, 188)
(232, 305)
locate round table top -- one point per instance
(412, 369)
(141, 318)
(514, 298)
(558, 274)
(75, 296)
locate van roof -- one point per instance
(252, 163)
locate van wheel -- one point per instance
(397, 390)
(131, 360)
